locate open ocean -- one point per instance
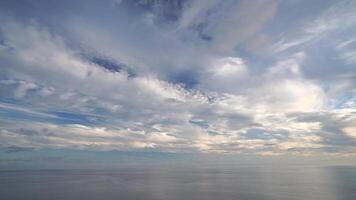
(245, 183)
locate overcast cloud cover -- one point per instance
(261, 77)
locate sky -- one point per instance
(263, 77)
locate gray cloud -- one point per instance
(15, 149)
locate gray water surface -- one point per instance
(249, 183)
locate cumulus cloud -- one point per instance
(186, 82)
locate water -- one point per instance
(244, 183)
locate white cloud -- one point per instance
(229, 66)
(236, 105)
(331, 20)
(350, 131)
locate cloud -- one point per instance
(15, 149)
(350, 131)
(184, 82)
(329, 22)
(224, 24)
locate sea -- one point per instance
(256, 182)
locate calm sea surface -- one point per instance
(248, 183)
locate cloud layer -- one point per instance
(179, 76)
